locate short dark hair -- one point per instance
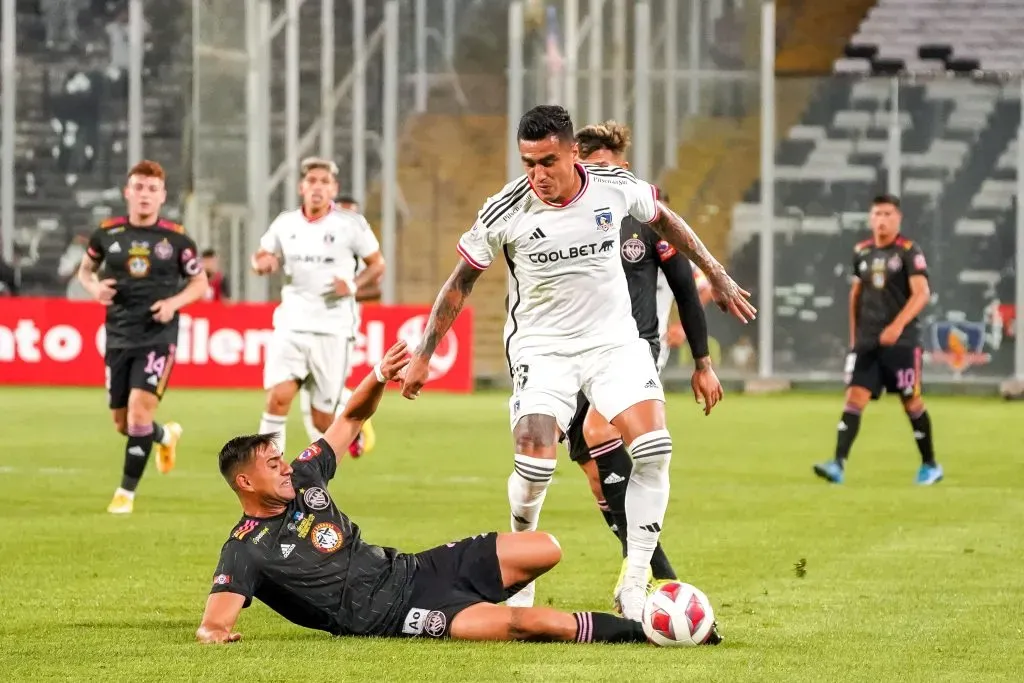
(886, 198)
(209, 252)
(239, 452)
(543, 121)
(347, 199)
(662, 195)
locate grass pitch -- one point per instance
(897, 582)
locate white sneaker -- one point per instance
(523, 598)
(630, 601)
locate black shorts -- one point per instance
(579, 452)
(896, 369)
(144, 367)
(450, 578)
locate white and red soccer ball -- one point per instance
(678, 614)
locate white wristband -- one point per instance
(380, 375)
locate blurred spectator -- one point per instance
(60, 17)
(8, 279)
(67, 269)
(76, 119)
(743, 355)
(219, 289)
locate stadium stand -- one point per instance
(958, 167)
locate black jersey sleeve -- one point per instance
(679, 275)
(237, 571)
(189, 261)
(315, 465)
(914, 261)
(96, 249)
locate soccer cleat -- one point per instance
(622, 579)
(525, 597)
(714, 638)
(357, 448)
(121, 505)
(630, 601)
(166, 455)
(929, 474)
(369, 437)
(830, 470)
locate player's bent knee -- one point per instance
(913, 405)
(322, 421)
(536, 436)
(858, 397)
(597, 430)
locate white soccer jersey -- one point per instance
(567, 289)
(313, 253)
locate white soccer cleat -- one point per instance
(523, 598)
(630, 601)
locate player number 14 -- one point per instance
(155, 364)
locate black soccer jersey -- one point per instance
(644, 253)
(310, 565)
(149, 264)
(884, 274)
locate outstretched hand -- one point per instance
(732, 298)
(394, 361)
(416, 376)
(706, 386)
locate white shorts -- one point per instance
(613, 378)
(663, 355)
(319, 361)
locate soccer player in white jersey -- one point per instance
(317, 246)
(570, 324)
(368, 290)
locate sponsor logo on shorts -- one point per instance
(326, 537)
(316, 498)
(414, 621)
(436, 623)
(222, 579)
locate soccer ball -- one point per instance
(678, 614)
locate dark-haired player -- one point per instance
(594, 443)
(151, 269)
(889, 291)
(570, 325)
(297, 552)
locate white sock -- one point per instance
(646, 500)
(270, 424)
(130, 495)
(306, 406)
(346, 395)
(166, 441)
(527, 486)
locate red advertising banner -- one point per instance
(60, 343)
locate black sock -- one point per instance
(661, 568)
(922, 425)
(602, 505)
(136, 455)
(613, 468)
(158, 433)
(846, 432)
(598, 627)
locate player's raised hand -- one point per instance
(416, 375)
(264, 263)
(732, 298)
(394, 361)
(706, 386)
(104, 291)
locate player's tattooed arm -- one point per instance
(447, 306)
(728, 295)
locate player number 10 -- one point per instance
(905, 378)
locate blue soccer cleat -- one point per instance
(830, 470)
(929, 474)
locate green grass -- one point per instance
(901, 582)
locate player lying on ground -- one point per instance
(593, 442)
(302, 556)
(889, 291)
(151, 270)
(367, 290)
(318, 246)
(570, 325)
